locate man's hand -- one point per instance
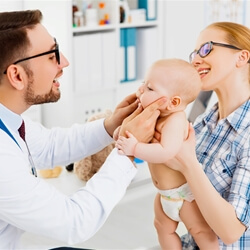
(141, 123)
(124, 109)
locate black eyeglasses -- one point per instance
(207, 47)
(56, 51)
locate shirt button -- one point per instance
(224, 171)
(204, 153)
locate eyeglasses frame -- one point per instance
(56, 51)
(216, 44)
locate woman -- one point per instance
(219, 171)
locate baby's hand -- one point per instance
(126, 146)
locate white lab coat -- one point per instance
(30, 204)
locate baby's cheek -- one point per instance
(145, 101)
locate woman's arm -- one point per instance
(219, 214)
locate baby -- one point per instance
(180, 83)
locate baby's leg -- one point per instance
(203, 235)
(165, 228)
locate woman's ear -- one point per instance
(15, 75)
(244, 58)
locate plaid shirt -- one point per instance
(223, 149)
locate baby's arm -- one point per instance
(172, 136)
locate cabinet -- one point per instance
(92, 81)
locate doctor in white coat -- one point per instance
(30, 67)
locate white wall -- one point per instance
(247, 13)
(184, 20)
(10, 5)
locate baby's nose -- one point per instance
(141, 88)
(138, 93)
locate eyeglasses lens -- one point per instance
(192, 55)
(205, 49)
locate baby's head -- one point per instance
(175, 79)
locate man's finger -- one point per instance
(155, 105)
(128, 100)
(155, 115)
(149, 110)
(134, 114)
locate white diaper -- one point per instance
(172, 200)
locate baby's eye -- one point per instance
(150, 89)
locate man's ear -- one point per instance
(244, 58)
(15, 74)
(174, 102)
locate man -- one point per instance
(30, 67)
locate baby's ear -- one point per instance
(175, 102)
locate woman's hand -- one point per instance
(187, 154)
(124, 109)
(141, 123)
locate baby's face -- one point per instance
(153, 88)
(148, 93)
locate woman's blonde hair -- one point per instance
(236, 34)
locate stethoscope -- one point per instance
(5, 129)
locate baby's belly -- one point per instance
(165, 178)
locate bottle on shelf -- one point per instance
(74, 9)
(78, 19)
(124, 11)
(91, 18)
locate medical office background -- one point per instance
(108, 62)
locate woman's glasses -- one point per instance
(207, 47)
(56, 51)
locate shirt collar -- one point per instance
(237, 119)
(11, 120)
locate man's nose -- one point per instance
(64, 61)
